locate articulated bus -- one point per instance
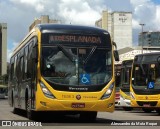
(63, 68)
(125, 85)
(145, 82)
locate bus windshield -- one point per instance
(76, 65)
(126, 73)
(146, 75)
(125, 78)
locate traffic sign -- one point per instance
(151, 85)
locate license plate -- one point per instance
(78, 105)
(146, 105)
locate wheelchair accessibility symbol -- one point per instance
(85, 79)
(150, 85)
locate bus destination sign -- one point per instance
(74, 39)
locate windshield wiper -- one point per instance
(142, 69)
(90, 54)
(67, 53)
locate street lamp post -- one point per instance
(141, 24)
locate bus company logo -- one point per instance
(78, 97)
(146, 97)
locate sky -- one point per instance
(19, 14)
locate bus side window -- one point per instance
(17, 67)
(21, 68)
(18, 70)
(29, 59)
(25, 62)
(15, 62)
(12, 71)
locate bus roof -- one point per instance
(147, 58)
(74, 28)
(148, 54)
(62, 28)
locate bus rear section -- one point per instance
(145, 82)
(73, 71)
(125, 85)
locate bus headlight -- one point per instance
(132, 95)
(45, 91)
(108, 93)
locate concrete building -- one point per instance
(3, 48)
(149, 40)
(43, 19)
(119, 25)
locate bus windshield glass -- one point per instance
(126, 73)
(125, 76)
(146, 72)
(76, 65)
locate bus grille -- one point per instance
(141, 103)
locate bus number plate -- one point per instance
(78, 105)
(146, 105)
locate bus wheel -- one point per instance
(128, 108)
(15, 110)
(30, 113)
(158, 111)
(88, 116)
(147, 110)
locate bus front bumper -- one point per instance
(145, 103)
(68, 105)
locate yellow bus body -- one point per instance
(64, 100)
(145, 99)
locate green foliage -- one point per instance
(4, 79)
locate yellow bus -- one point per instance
(64, 68)
(145, 82)
(125, 85)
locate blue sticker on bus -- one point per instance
(85, 79)
(150, 85)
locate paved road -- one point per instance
(104, 120)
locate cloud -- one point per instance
(19, 14)
(138, 2)
(135, 24)
(157, 19)
(146, 12)
(10, 51)
(37, 4)
(79, 12)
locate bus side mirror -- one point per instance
(116, 55)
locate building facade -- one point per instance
(149, 40)
(119, 25)
(3, 49)
(43, 19)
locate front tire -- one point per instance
(15, 110)
(30, 113)
(158, 111)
